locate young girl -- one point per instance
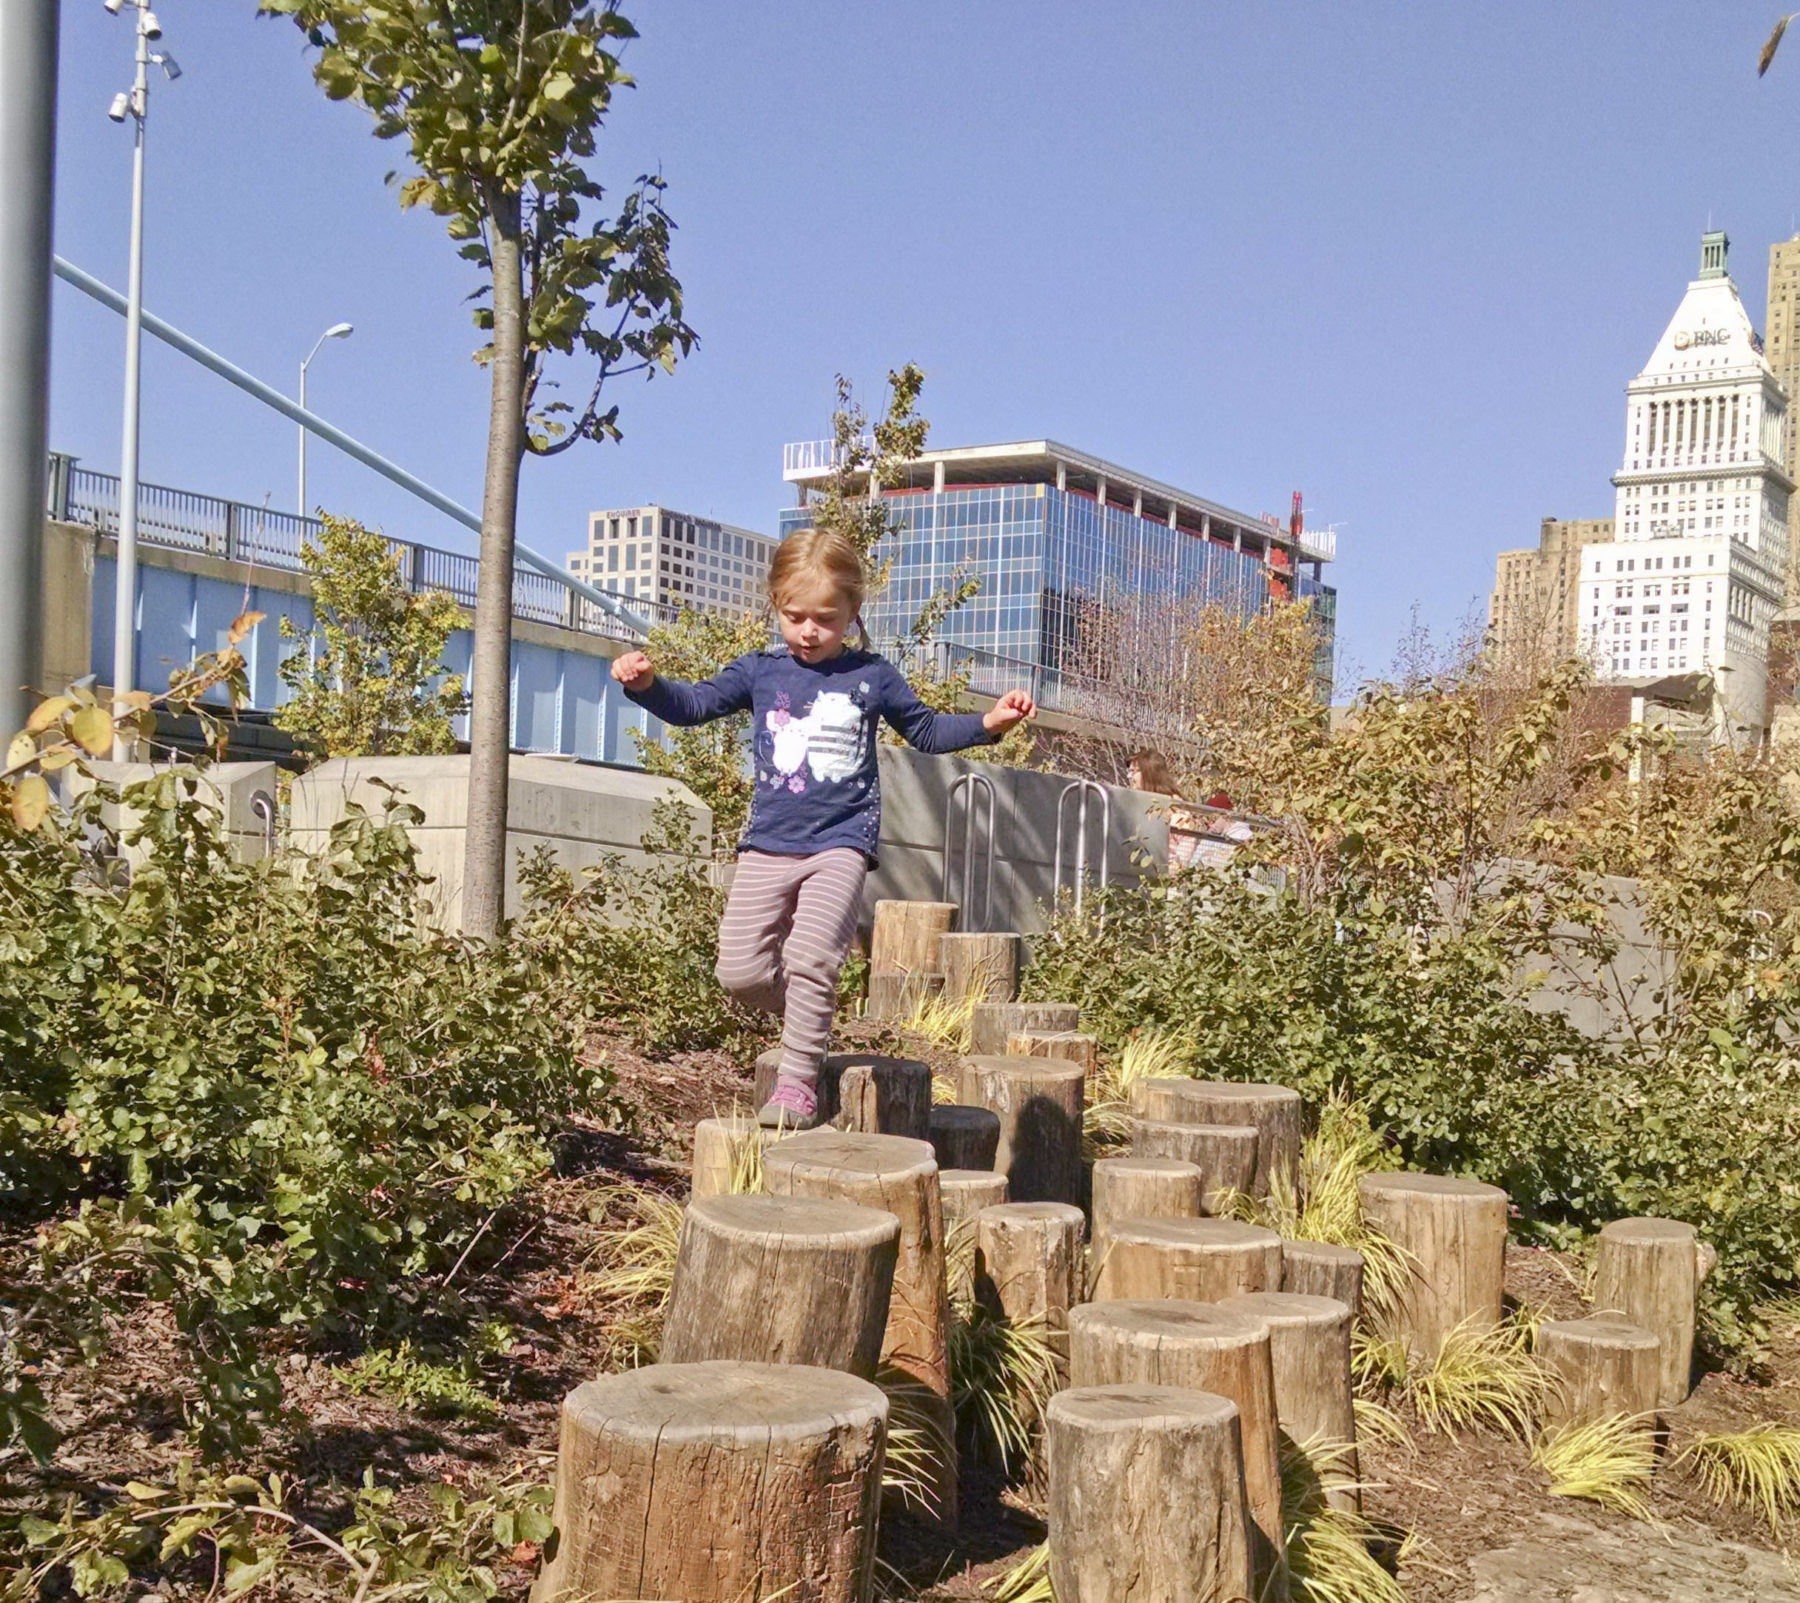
(815, 814)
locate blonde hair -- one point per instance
(814, 554)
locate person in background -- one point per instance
(1149, 771)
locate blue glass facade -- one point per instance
(1043, 556)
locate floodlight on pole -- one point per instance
(137, 107)
(337, 331)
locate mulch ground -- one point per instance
(1460, 1497)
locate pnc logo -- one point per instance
(1702, 336)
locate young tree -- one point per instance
(367, 687)
(500, 104)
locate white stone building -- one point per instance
(652, 553)
(1695, 570)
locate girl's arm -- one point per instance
(939, 732)
(675, 702)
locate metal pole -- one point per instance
(28, 39)
(300, 504)
(125, 591)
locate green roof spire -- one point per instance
(1713, 250)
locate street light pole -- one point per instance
(337, 331)
(28, 41)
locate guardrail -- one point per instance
(184, 520)
(806, 459)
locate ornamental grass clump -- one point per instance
(1106, 1121)
(1606, 1461)
(1328, 1546)
(1482, 1378)
(1757, 1468)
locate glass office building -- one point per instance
(1050, 533)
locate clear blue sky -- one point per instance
(1402, 257)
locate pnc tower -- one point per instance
(1695, 570)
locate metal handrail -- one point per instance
(1085, 788)
(971, 788)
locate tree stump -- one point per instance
(864, 1092)
(979, 968)
(1039, 1103)
(1224, 1153)
(1204, 1260)
(718, 1483)
(1146, 1496)
(1199, 1348)
(1602, 1367)
(1309, 1350)
(1069, 1045)
(964, 1137)
(895, 995)
(725, 1150)
(992, 1022)
(905, 936)
(900, 1176)
(1454, 1232)
(1143, 1188)
(1273, 1111)
(1028, 1264)
(1649, 1272)
(966, 1192)
(782, 1280)
(1321, 1269)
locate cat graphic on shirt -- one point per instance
(828, 740)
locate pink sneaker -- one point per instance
(792, 1106)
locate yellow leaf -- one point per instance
(92, 727)
(56, 757)
(21, 751)
(30, 802)
(139, 700)
(241, 625)
(144, 1492)
(47, 713)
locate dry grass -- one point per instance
(631, 1268)
(1328, 1548)
(1481, 1379)
(942, 1023)
(1028, 1581)
(1606, 1461)
(1758, 1469)
(1150, 1054)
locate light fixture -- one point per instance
(340, 331)
(113, 6)
(170, 66)
(120, 107)
(148, 25)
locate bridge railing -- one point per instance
(184, 520)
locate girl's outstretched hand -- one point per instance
(1012, 708)
(633, 670)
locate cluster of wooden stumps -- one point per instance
(747, 1462)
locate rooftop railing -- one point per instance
(806, 459)
(184, 520)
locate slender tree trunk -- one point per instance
(490, 717)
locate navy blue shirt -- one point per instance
(813, 741)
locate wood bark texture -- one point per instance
(1648, 1272)
(1069, 1045)
(718, 1483)
(1146, 1497)
(905, 935)
(720, 1147)
(782, 1280)
(1455, 1234)
(1602, 1367)
(895, 995)
(1204, 1260)
(1272, 1111)
(966, 1192)
(864, 1092)
(901, 1176)
(964, 1137)
(979, 968)
(1309, 1351)
(1323, 1269)
(992, 1022)
(1143, 1188)
(1224, 1153)
(1028, 1264)
(1203, 1348)
(1039, 1103)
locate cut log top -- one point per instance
(1323, 1252)
(1616, 1334)
(1202, 1233)
(1044, 1071)
(1155, 1323)
(1406, 1182)
(1652, 1232)
(992, 1022)
(774, 1219)
(1045, 1213)
(1179, 1087)
(828, 1150)
(724, 1400)
(956, 1116)
(1135, 1407)
(1131, 1167)
(1289, 1310)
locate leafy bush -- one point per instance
(277, 1096)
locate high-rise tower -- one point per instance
(1784, 359)
(1700, 519)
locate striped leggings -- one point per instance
(788, 926)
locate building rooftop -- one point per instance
(1050, 462)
